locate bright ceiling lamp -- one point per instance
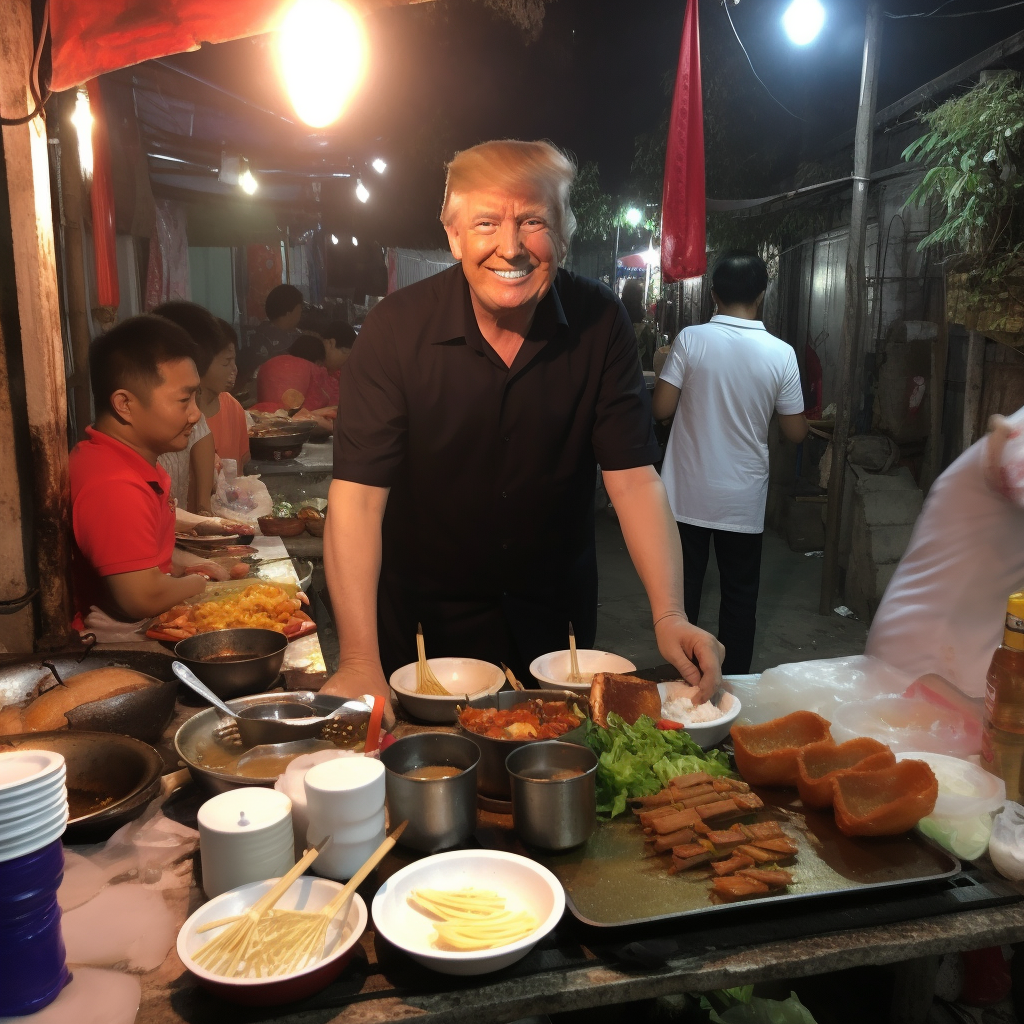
(803, 21)
(246, 182)
(355, 241)
(322, 51)
(82, 120)
(379, 166)
(362, 193)
(334, 239)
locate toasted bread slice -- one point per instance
(628, 696)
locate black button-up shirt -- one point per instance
(492, 469)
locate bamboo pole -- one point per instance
(855, 302)
(972, 388)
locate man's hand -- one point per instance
(694, 652)
(356, 677)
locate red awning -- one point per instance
(90, 39)
(639, 260)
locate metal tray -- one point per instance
(610, 881)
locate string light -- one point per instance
(334, 239)
(379, 166)
(355, 241)
(362, 194)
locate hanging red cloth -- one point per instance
(104, 231)
(683, 235)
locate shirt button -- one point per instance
(503, 494)
(507, 438)
(504, 546)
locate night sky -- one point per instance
(445, 75)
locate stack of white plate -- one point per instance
(33, 801)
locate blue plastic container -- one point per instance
(32, 968)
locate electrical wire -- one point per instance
(955, 14)
(33, 81)
(756, 75)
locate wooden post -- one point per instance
(77, 307)
(35, 278)
(855, 301)
(972, 388)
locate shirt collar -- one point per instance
(456, 318)
(738, 321)
(155, 476)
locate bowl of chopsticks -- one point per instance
(307, 940)
(432, 690)
(555, 671)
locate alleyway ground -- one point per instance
(789, 627)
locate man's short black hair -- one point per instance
(739, 276)
(228, 333)
(308, 346)
(282, 299)
(129, 356)
(200, 325)
(343, 333)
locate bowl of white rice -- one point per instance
(707, 724)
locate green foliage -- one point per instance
(974, 152)
(592, 206)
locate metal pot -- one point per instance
(441, 812)
(491, 775)
(119, 773)
(143, 713)
(284, 443)
(234, 662)
(550, 812)
(209, 727)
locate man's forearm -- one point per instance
(148, 592)
(352, 553)
(651, 535)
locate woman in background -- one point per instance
(224, 415)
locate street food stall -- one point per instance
(594, 841)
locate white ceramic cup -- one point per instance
(343, 792)
(343, 856)
(245, 835)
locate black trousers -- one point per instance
(739, 568)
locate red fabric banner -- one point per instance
(683, 231)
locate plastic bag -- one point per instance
(1004, 456)
(244, 498)
(819, 686)
(111, 631)
(1006, 846)
(908, 724)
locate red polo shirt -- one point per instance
(121, 516)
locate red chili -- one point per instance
(667, 724)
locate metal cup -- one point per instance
(553, 814)
(441, 812)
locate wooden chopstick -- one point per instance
(339, 901)
(574, 671)
(511, 677)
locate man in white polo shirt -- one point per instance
(720, 385)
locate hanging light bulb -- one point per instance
(379, 166)
(803, 21)
(322, 52)
(334, 239)
(362, 194)
(355, 241)
(82, 120)
(246, 182)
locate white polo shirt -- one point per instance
(732, 374)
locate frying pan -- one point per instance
(101, 766)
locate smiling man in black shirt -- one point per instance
(473, 414)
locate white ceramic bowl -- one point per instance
(525, 884)
(41, 789)
(12, 815)
(707, 734)
(552, 670)
(462, 677)
(27, 769)
(305, 893)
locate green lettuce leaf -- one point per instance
(639, 760)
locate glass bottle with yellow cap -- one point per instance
(1002, 744)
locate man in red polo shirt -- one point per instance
(144, 383)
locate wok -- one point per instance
(110, 778)
(210, 727)
(258, 657)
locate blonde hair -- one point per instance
(509, 164)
